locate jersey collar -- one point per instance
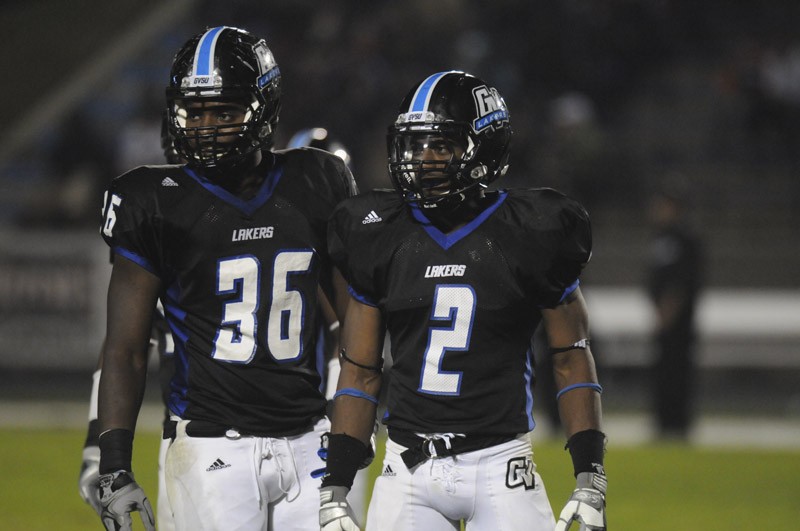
(448, 240)
(249, 206)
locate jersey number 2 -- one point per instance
(457, 305)
(236, 338)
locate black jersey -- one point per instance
(461, 308)
(239, 283)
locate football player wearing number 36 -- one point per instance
(233, 243)
(460, 277)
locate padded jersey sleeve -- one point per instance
(345, 183)
(554, 236)
(574, 249)
(129, 227)
(355, 255)
(325, 175)
(328, 181)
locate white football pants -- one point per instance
(493, 489)
(246, 483)
(164, 517)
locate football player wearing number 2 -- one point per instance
(233, 243)
(460, 277)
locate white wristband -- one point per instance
(93, 397)
(334, 368)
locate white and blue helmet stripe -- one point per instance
(422, 98)
(204, 55)
(202, 74)
(419, 108)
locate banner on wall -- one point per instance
(52, 298)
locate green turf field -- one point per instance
(665, 487)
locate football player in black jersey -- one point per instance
(162, 344)
(233, 244)
(460, 277)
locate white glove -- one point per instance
(587, 505)
(335, 513)
(89, 479)
(119, 496)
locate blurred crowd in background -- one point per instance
(615, 102)
(609, 99)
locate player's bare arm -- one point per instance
(355, 402)
(568, 324)
(132, 295)
(362, 346)
(567, 327)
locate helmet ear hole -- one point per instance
(478, 172)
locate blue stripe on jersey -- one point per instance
(422, 97)
(135, 258)
(448, 240)
(572, 287)
(529, 390)
(175, 318)
(177, 402)
(204, 55)
(361, 298)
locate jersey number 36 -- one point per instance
(241, 275)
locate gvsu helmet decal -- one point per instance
(451, 139)
(267, 67)
(488, 108)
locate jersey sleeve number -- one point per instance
(111, 214)
(457, 305)
(236, 338)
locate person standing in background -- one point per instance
(674, 280)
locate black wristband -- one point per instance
(92, 434)
(587, 449)
(345, 455)
(116, 450)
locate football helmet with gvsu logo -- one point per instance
(450, 140)
(232, 71)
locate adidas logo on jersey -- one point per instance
(168, 182)
(372, 217)
(388, 471)
(219, 464)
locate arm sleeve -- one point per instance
(353, 261)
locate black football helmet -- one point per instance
(224, 64)
(468, 120)
(320, 138)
